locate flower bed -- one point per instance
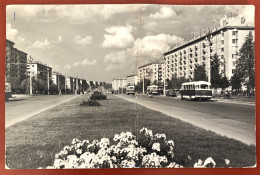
(98, 96)
(89, 103)
(149, 150)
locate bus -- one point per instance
(130, 90)
(196, 90)
(152, 90)
(8, 91)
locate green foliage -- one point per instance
(216, 80)
(236, 81)
(200, 73)
(175, 83)
(139, 86)
(89, 103)
(98, 96)
(224, 82)
(245, 67)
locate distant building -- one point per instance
(39, 71)
(69, 84)
(118, 84)
(131, 80)
(59, 80)
(224, 41)
(152, 71)
(16, 61)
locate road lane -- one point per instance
(21, 108)
(231, 120)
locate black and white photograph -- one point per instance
(91, 86)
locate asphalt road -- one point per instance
(234, 120)
(22, 107)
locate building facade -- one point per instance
(118, 84)
(39, 71)
(16, 61)
(152, 71)
(59, 80)
(224, 41)
(131, 80)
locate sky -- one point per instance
(102, 42)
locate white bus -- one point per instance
(130, 90)
(196, 90)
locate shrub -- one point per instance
(98, 96)
(149, 150)
(89, 103)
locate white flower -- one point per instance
(209, 162)
(170, 142)
(160, 136)
(74, 141)
(156, 146)
(198, 164)
(79, 151)
(72, 161)
(227, 161)
(58, 163)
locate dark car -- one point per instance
(171, 93)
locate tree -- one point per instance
(139, 86)
(246, 63)
(236, 81)
(175, 83)
(224, 82)
(200, 73)
(216, 80)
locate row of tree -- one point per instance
(40, 86)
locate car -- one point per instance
(171, 93)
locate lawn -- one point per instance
(34, 142)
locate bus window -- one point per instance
(204, 86)
(197, 86)
(210, 86)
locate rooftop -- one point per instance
(203, 36)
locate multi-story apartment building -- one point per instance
(152, 71)
(224, 41)
(131, 80)
(59, 80)
(16, 61)
(39, 71)
(69, 85)
(118, 83)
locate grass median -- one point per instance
(34, 142)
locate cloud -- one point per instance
(115, 57)
(165, 12)
(45, 44)
(10, 32)
(67, 66)
(108, 11)
(59, 39)
(155, 44)
(118, 36)
(85, 62)
(117, 60)
(83, 41)
(78, 14)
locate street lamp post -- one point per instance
(208, 39)
(48, 81)
(31, 92)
